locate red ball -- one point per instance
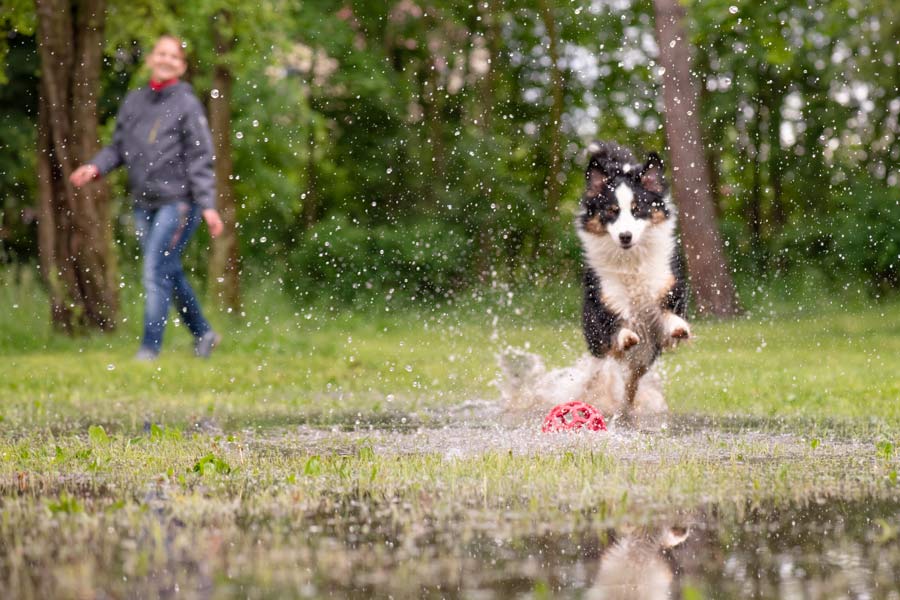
(572, 416)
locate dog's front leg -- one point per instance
(676, 328)
(625, 339)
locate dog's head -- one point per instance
(623, 198)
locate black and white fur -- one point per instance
(635, 293)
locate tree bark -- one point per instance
(711, 283)
(224, 260)
(74, 232)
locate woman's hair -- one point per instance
(178, 41)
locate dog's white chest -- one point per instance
(630, 293)
(633, 282)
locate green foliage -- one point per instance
(801, 153)
(341, 261)
(857, 236)
(313, 466)
(885, 449)
(160, 433)
(211, 464)
(65, 504)
(98, 435)
(414, 137)
(17, 18)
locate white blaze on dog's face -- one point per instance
(626, 230)
(624, 201)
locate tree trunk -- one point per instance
(552, 185)
(311, 201)
(490, 14)
(754, 214)
(74, 232)
(776, 159)
(711, 283)
(224, 260)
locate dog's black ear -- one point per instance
(596, 178)
(600, 168)
(652, 178)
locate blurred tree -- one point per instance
(74, 231)
(417, 147)
(553, 183)
(224, 261)
(711, 283)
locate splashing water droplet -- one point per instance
(214, 93)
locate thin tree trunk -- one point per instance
(490, 13)
(779, 211)
(552, 185)
(224, 260)
(754, 209)
(433, 129)
(74, 230)
(711, 283)
(312, 200)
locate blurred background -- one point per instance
(422, 151)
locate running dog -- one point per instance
(634, 298)
(635, 294)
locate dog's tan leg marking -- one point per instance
(625, 339)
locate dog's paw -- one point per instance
(678, 328)
(626, 339)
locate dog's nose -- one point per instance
(625, 237)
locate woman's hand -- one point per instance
(214, 221)
(83, 175)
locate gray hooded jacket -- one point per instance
(163, 139)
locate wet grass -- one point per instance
(323, 453)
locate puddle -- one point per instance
(827, 549)
(831, 547)
(680, 436)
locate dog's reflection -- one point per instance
(639, 564)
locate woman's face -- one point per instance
(166, 61)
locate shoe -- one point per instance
(206, 344)
(145, 355)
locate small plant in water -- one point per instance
(885, 449)
(97, 435)
(66, 504)
(210, 464)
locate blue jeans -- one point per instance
(163, 233)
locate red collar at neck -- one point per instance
(157, 86)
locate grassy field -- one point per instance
(325, 453)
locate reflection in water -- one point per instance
(832, 548)
(639, 565)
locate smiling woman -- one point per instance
(163, 139)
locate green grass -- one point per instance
(275, 468)
(281, 365)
